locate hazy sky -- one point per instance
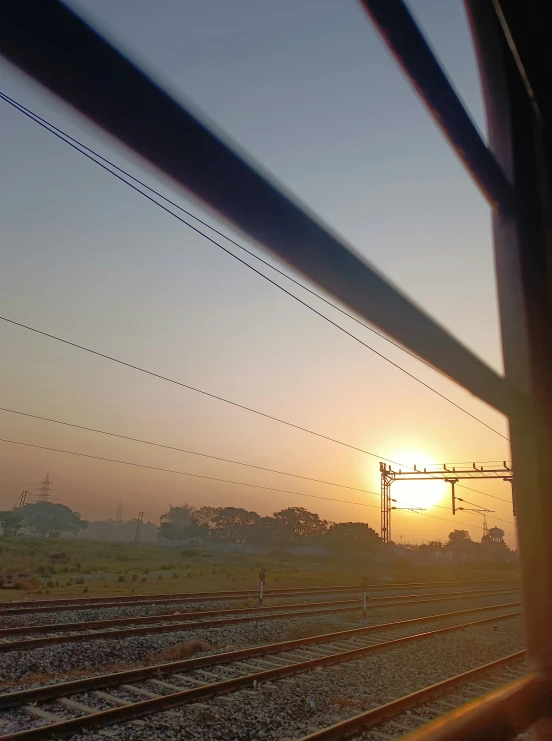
(308, 90)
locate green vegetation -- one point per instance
(63, 567)
(42, 518)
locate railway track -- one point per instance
(86, 603)
(107, 629)
(71, 707)
(410, 713)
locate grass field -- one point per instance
(64, 567)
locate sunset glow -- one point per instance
(424, 494)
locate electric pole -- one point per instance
(119, 515)
(44, 493)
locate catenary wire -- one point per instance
(217, 398)
(445, 519)
(442, 506)
(468, 463)
(63, 137)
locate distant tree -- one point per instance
(179, 523)
(460, 542)
(296, 523)
(11, 522)
(263, 532)
(51, 519)
(233, 524)
(352, 537)
(459, 536)
(205, 515)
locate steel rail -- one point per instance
(167, 617)
(164, 702)
(364, 721)
(86, 637)
(213, 596)
(74, 686)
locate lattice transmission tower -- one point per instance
(45, 488)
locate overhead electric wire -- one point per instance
(444, 519)
(217, 398)
(46, 123)
(441, 506)
(184, 473)
(183, 450)
(81, 147)
(468, 463)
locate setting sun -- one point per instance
(423, 494)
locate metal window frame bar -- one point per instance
(412, 52)
(501, 714)
(53, 45)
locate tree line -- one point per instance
(47, 519)
(459, 542)
(287, 527)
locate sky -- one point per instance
(308, 91)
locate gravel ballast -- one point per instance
(293, 707)
(92, 657)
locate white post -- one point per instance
(261, 585)
(364, 604)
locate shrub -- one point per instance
(180, 651)
(160, 577)
(79, 580)
(121, 578)
(50, 584)
(144, 578)
(134, 577)
(85, 590)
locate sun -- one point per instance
(423, 494)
